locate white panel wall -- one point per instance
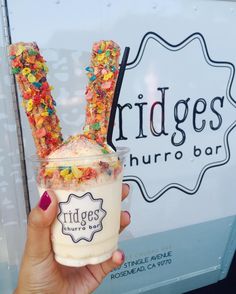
(65, 32)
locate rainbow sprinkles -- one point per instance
(30, 70)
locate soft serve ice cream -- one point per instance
(79, 161)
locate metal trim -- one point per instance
(15, 100)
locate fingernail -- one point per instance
(122, 256)
(128, 186)
(45, 201)
(126, 211)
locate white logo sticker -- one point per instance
(81, 217)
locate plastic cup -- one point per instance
(86, 229)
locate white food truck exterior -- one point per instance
(176, 113)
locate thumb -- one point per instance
(38, 244)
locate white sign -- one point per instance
(178, 111)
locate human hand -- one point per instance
(39, 271)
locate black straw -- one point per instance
(116, 97)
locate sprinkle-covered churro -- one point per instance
(102, 74)
(30, 70)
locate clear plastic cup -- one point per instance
(88, 189)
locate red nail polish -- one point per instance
(128, 214)
(127, 185)
(45, 201)
(122, 256)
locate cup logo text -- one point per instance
(81, 217)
